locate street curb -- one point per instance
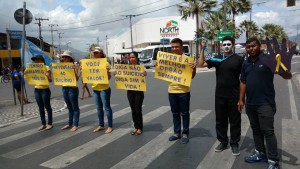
(296, 81)
(33, 117)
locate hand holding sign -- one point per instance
(280, 58)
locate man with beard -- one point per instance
(228, 68)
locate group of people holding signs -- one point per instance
(235, 78)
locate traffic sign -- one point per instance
(19, 16)
(15, 34)
(222, 34)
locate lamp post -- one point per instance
(258, 3)
(68, 45)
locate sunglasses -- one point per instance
(226, 44)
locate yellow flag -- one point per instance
(130, 77)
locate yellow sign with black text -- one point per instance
(36, 74)
(94, 71)
(174, 68)
(63, 74)
(130, 77)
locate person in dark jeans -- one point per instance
(136, 99)
(17, 82)
(70, 94)
(42, 96)
(257, 83)
(179, 98)
(228, 68)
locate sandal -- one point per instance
(109, 130)
(99, 129)
(74, 128)
(138, 132)
(133, 132)
(66, 127)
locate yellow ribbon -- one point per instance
(279, 63)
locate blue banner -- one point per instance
(32, 50)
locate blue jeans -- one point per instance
(180, 107)
(71, 98)
(261, 119)
(103, 98)
(42, 97)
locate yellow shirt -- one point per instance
(178, 88)
(100, 87)
(43, 86)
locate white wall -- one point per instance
(147, 31)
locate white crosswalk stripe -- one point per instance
(20, 152)
(77, 153)
(34, 131)
(146, 154)
(218, 158)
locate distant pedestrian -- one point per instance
(84, 87)
(17, 82)
(228, 69)
(70, 94)
(179, 98)
(136, 99)
(101, 95)
(257, 84)
(42, 95)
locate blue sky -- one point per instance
(81, 13)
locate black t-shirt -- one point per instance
(259, 82)
(227, 75)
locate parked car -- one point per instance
(296, 52)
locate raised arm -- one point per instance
(201, 62)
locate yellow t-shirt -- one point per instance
(178, 88)
(100, 87)
(43, 86)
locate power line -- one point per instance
(40, 30)
(121, 19)
(115, 13)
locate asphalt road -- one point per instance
(23, 147)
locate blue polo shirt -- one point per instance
(259, 82)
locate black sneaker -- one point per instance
(256, 157)
(184, 139)
(235, 150)
(221, 147)
(174, 137)
(273, 164)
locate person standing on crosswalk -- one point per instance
(70, 94)
(136, 99)
(257, 84)
(42, 95)
(101, 96)
(179, 98)
(228, 68)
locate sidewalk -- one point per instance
(11, 114)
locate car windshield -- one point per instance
(147, 54)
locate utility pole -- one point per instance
(297, 40)
(51, 30)
(98, 41)
(225, 13)
(40, 30)
(130, 16)
(106, 46)
(59, 37)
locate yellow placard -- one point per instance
(63, 74)
(94, 71)
(174, 68)
(130, 77)
(36, 74)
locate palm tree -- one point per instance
(196, 8)
(272, 30)
(235, 7)
(249, 27)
